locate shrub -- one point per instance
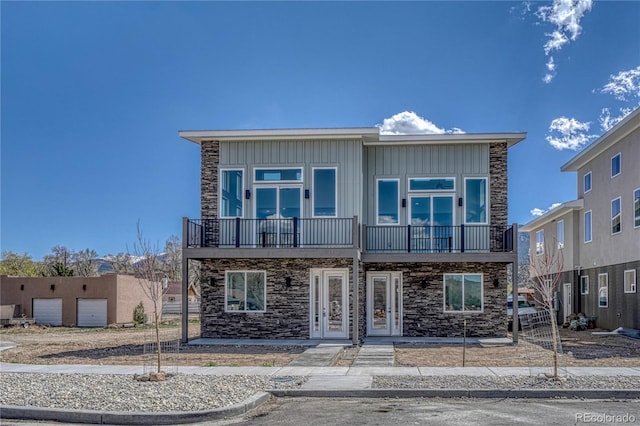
(138, 314)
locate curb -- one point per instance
(461, 393)
(131, 418)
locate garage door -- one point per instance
(47, 311)
(92, 312)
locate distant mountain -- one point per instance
(523, 248)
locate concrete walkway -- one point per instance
(375, 355)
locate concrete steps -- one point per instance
(375, 355)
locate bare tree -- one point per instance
(59, 262)
(195, 275)
(151, 279)
(85, 263)
(546, 267)
(172, 258)
(121, 263)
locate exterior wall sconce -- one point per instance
(307, 194)
(423, 283)
(212, 281)
(460, 202)
(247, 194)
(21, 287)
(53, 287)
(287, 282)
(496, 282)
(84, 287)
(404, 202)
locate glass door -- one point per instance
(329, 304)
(276, 206)
(384, 304)
(431, 220)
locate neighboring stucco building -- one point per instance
(76, 301)
(599, 233)
(344, 233)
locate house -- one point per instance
(75, 301)
(172, 299)
(343, 233)
(599, 232)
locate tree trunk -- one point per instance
(157, 318)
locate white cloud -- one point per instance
(607, 121)
(568, 133)
(551, 66)
(408, 123)
(539, 212)
(625, 85)
(566, 16)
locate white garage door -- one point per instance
(92, 312)
(47, 311)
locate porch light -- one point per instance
(496, 282)
(287, 282)
(404, 202)
(307, 194)
(53, 287)
(84, 287)
(212, 281)
(423, 283)
(247, 194)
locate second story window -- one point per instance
(587, 226)
(475, 205)
(560, 234)
(587, 182)
(387, 200)
(636, 208)
(615, 216)
(324, 192)
(540, 242)
(231, 190)
(278, 175)
(616, 166)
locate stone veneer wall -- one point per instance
(498, 183)
(209, 161)
(423, 314)
(287, 309)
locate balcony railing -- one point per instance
(438, 239)
(270, 233)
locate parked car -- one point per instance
(524, 308)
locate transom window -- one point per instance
(615, 216)
(245, 291)
(463, 293)
(587, 182)
(324, 192)
(560, 233)
(432, 184)
(630, 281)
(587, 226)
(636, 208)
(278, 175)
(475, 205)
(584, 284)
(603, 290)
(231, 188)
(387, 202)
(616, 165)
(540, 242)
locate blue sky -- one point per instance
(94, 93)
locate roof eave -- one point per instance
(552, 215)
(198, 136)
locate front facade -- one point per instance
(599, 233)
(344, 233)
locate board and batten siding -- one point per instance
(406, 161)
(344, 154)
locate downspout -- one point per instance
(514, 286)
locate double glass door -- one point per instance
(329, 304)
(384, 304)
(431, 219)
(276, 206)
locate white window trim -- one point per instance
(586, 278)
(463, 311)
(633, 284)
(313, 200)
(584, 189)
(605, 274)
(230, 169)
(377, 213)
(487, 200)
(584, 226)
(226, 289)
(413, 191)
(560, 242)
(540, 245)
(617, 155)
(613, 217)
(271, 182)
(633, 208)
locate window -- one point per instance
(584, 284)
(475, 206)
(603, 290)
(636, 208)
(245, 291)
(630, 281)
(587, 226)
(463, 293)
(278, 175)
(432, 184)
(231, 187)
(587, 182)
(324, 192)
(540, 242)
(387, 202)
(615, 216)
(560, 232)
(616, 165)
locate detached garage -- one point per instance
(92, 312)
(47, 311)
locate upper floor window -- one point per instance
(324, 192)
(587, 226)
(475, 205)
(540, 242)
(278, 175)
(636, 208)
(462, 292)
(587, 182)
(231, 188)
(616, 166)
(245, 291)
(560, 233)
(388, 202)
(615, 216)
(432, 184)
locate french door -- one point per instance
(329, 304)
(431, 220)
(276, 206)
(384, 304)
